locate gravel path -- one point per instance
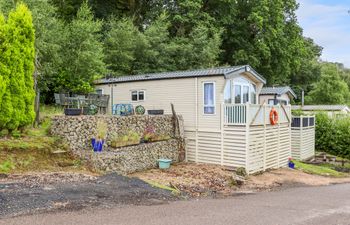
(51, 192)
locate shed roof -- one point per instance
(184, 74)
(321, 107)
(277, 91)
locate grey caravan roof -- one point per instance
(321, 107)
(225, 71)
(277, 91)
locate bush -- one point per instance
(333, 135)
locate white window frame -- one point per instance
(241, 87)
(229, 83)
(214, 103)
(99, 89)
(137, 95)
(242, 84)
(144, 95)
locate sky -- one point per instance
(328, 23)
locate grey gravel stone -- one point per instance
(78, 132)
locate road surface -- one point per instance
(302, 205)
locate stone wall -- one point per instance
(79, 130)
(136, 158)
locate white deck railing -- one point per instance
(303, 121)
(252, 114)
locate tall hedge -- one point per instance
(333, 135)
(17, 57)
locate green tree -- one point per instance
(153, 51)
(264, 34)
(47, 44)
(81, 53)
(344, 72)
(310, 69)
(3, 84)
(120, 45)
(330, 89)
(67, 9)
(141, 12)
(6, 107)
(17, 109)
(130, 51)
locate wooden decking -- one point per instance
(303, 137)
(246, 139)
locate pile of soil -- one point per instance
(192, 179)
(204, 179)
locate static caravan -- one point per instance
(223, 120)
(277, 95)
(331, 110)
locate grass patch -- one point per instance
(321, 170)
(164, 187)
(31, 154)
(6, 166)
(35, 150)
(50, 111)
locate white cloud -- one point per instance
(329, 26)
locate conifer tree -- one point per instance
(5, 94)
(17, 109)
(82, 53)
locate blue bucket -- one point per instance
(291, 165)
(164, 163)
(97, 145)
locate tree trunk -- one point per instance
(37, 92)
(37, 107)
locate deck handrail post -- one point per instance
(222, 133)
(279, 137)
(264, 146)
(247, 138)
(301, 121)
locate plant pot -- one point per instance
(86, 111)
(164, 163)
(72, 112)
(97, 145)
(155, 112)
(291, 165)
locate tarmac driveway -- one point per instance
(43, 194)
(302, 205)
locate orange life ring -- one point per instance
(273, 116)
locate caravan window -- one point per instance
(141, 95)
(238, 93)
(209, 97)
(99, 91)
(137, 95)
(228, 92)
(253, 93)
(244, 91)
(271, 101)
(245, 94)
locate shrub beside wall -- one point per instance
(333, 135)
